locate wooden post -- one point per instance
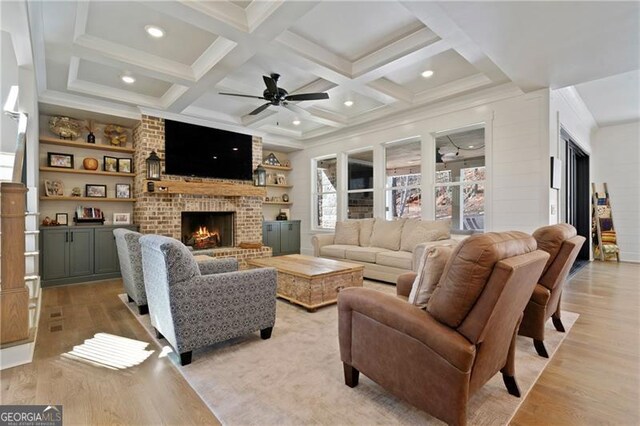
(14, 294)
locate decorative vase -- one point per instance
(90, 163)
(91, 138)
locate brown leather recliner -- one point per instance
(436, 359)
(563, 244)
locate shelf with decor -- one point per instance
(79, 143)
(95, 199)
(85, 172)
(277, 201)
(85, 162)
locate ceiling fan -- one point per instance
(278, 96)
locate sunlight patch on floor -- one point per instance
(110, 351)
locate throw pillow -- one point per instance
(347, 233)
(415, 232)
(366, 228)
(429, 273)
(386, 234)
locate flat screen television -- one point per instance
(192, 150)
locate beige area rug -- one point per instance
(296, 376)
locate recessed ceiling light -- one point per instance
(470, 146)
(234, 148)
(154, 31)
(296, 122)
(427, 73)
(128, 78)
(215, 157)
(348, 103)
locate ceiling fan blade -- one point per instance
(271, 84)
(260, 109)
(307, 97)
(242, 96)
(297, 109)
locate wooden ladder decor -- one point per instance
(605, 243)
(14, 294)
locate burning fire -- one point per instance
(204, 238)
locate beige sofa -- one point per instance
(387, 249)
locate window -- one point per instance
(403, 176)
(360, 185)
(460, 178)
(326, 193)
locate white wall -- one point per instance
(517, 157)
(616, 161)
(8, 78)
(567, 111)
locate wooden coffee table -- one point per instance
(311, 282)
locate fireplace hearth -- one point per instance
(207, 230)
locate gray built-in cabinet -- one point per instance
(283, 236)
(71, 254)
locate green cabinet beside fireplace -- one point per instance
(71, 254)
(283, 236)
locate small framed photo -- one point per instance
(124, 165)
(281, 179)
(62, 218)
(123, 190)
(96, 191)
(62, 161)
(556, 173)
(110, 164)
(122, 218)
(53, 188)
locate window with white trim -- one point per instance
(460, 179)
(360, 185)
(403, 177)
(326, 194)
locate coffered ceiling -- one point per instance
(371, 54)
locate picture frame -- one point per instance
(60, 160)
(123, 190)
(110, 164)
(53, 188)
(122, 218)
(62, 219)
(125, 165)
(95, 191)
(281, 179)
(556, 173)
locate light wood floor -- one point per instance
(594, 377)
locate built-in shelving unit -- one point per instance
(70, 180)
(278, 187)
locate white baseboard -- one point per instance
(16, 355)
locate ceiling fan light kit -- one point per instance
(277, 96)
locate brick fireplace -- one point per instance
(161, 213)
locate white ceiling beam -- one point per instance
(258, 11)
(212, 115)
(69, 100)
(316, 53)
(390, 88)
(278, 130)
(453, 88)
(394, 51)
(36, 26)
(328, 118)
(432, 15)
(222, 11)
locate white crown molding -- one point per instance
(453, 88)
(574, 100)
(207, 114)
(421, 113)
(277, 130)
(52, 97)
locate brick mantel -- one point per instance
(159, 212)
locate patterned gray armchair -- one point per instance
(130, 257)
(192, 310)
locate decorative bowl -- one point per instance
(90, 163)
(65, 127)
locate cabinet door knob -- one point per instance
(71, 236)
(66, 237)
